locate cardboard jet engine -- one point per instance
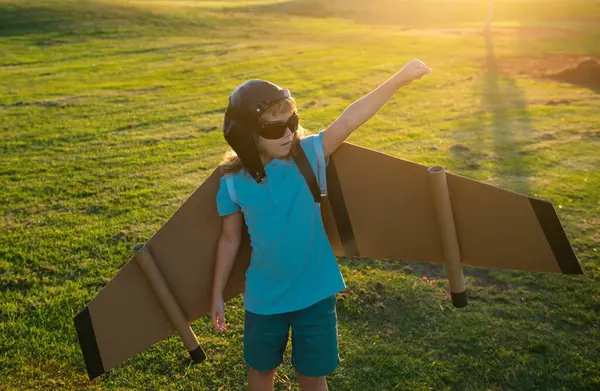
(378, 206)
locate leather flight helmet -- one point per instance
(246, 104)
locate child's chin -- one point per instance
(284, 152)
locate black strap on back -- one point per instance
(308, 174)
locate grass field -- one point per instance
(110, 117)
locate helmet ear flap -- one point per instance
(246, 148)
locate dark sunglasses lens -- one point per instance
(275, 131)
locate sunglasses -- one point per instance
(276, 130)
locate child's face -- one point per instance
(280, 147)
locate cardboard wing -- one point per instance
(384, 209)
(378, 206)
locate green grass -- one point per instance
(111, 117)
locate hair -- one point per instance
(232, 163)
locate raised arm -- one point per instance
(360, 111)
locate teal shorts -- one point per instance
(314, 339)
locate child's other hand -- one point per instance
(414, 70)
(218, 314)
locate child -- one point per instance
(293, 275)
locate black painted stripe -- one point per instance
(89, 346)
(556, 236)
(340, 213)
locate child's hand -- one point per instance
(218, 314)
(414, 70)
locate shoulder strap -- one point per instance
(231, 188)
(308, 174)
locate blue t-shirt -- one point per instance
(292, 265)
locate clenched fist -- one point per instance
(415, 69)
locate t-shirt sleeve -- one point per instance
(321, 161)
(225, 206)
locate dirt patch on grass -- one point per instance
(575, 69)
(497, 32)
(592, 135)
(586, 74)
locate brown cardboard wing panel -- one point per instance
(185, 249)
(389, 204)
(498, 228)
(390, 215)
(126, 315)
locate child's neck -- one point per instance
(266, 159)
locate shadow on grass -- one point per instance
(401, 332)
(389, 291)
(500, 129)
(510, 125)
